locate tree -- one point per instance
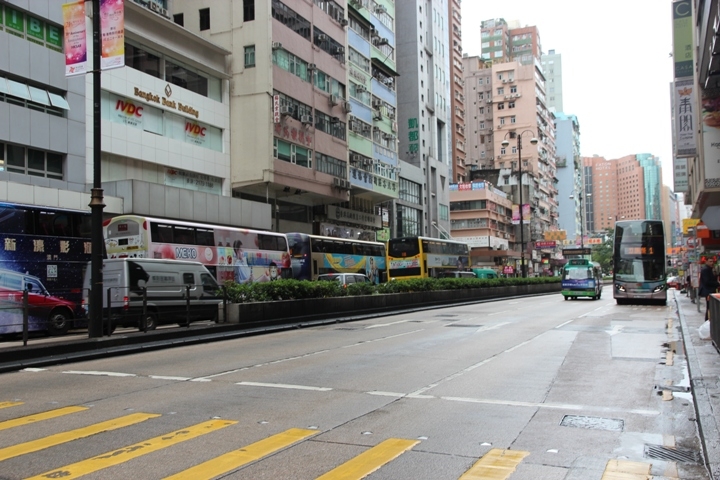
(602, 253)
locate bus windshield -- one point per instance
(578, 273)
(640, 269)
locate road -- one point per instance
(539, 388)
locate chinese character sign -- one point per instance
(413, 135)
(685, 123)
(112, 28)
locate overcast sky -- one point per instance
(616, 65)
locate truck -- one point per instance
(146, 292)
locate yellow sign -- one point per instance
(689, 222)
(594, 241)
(555, 235)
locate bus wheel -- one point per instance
(58, 322)
(150, 322)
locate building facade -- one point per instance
(308, 138)
(552, 66)
(481, 216)
(423, 53)
(458, 143)
(569, 172)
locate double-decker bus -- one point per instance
(314, 255)
(43, 250)
(230, 253)
(639, 261)
(423, 257)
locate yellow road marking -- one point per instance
(130, 452)
(497, 464)
(238, 458)
(624, 470)
(64, 437)
(39, 417)
(371, 460)
(9, 404)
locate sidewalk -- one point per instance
(704, 366)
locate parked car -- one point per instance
(674, 282)
(344, 278)
(456, 274)
(46, 312)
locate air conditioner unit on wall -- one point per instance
(347, 107)
(276, 45)
(333, 100)
(306, 119)
(286, 110)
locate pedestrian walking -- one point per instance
(708, 284)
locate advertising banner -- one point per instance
(684, 112)
(516, 214)
(112, 28)
(75, 37)
(711, 140)
(680, 175)
(682, 38)
(546, 244)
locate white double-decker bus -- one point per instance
(230, 253)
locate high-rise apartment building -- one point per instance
(312, 107)
(552, 67)
(569, 171)
(627, 188)
(457, 102)
(423, 53)
(509, 42)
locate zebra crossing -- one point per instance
(496, 464)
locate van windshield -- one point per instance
(577, 274)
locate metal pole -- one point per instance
(26, 325)
(582, 222)
(95, 329)
(523, 268)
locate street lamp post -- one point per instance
(505, 143)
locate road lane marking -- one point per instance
(452, 377)
(498, 313)
(99, 374)
(389, 337)
(37, 417)
(238, 458)
(130, 452)
(70, 435)
(387, 324)
(591, 311)
(565, 323)
(625, 470)
(558, 406)
(10, 404)
(497, 464)
(370, 460)
(284, 385)
(163, 377)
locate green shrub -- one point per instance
(286, 289)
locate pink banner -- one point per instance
(112, 27)
(75, 38)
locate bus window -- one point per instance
(204, 237)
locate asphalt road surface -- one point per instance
(536, 388)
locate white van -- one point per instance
(168, 284)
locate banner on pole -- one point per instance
(75, 38)
(112, 28)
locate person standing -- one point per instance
(708, 284)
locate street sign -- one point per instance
(576, 251)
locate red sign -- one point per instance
(508, 269)
(546, 244)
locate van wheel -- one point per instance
(150, 322)
(59, 322)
